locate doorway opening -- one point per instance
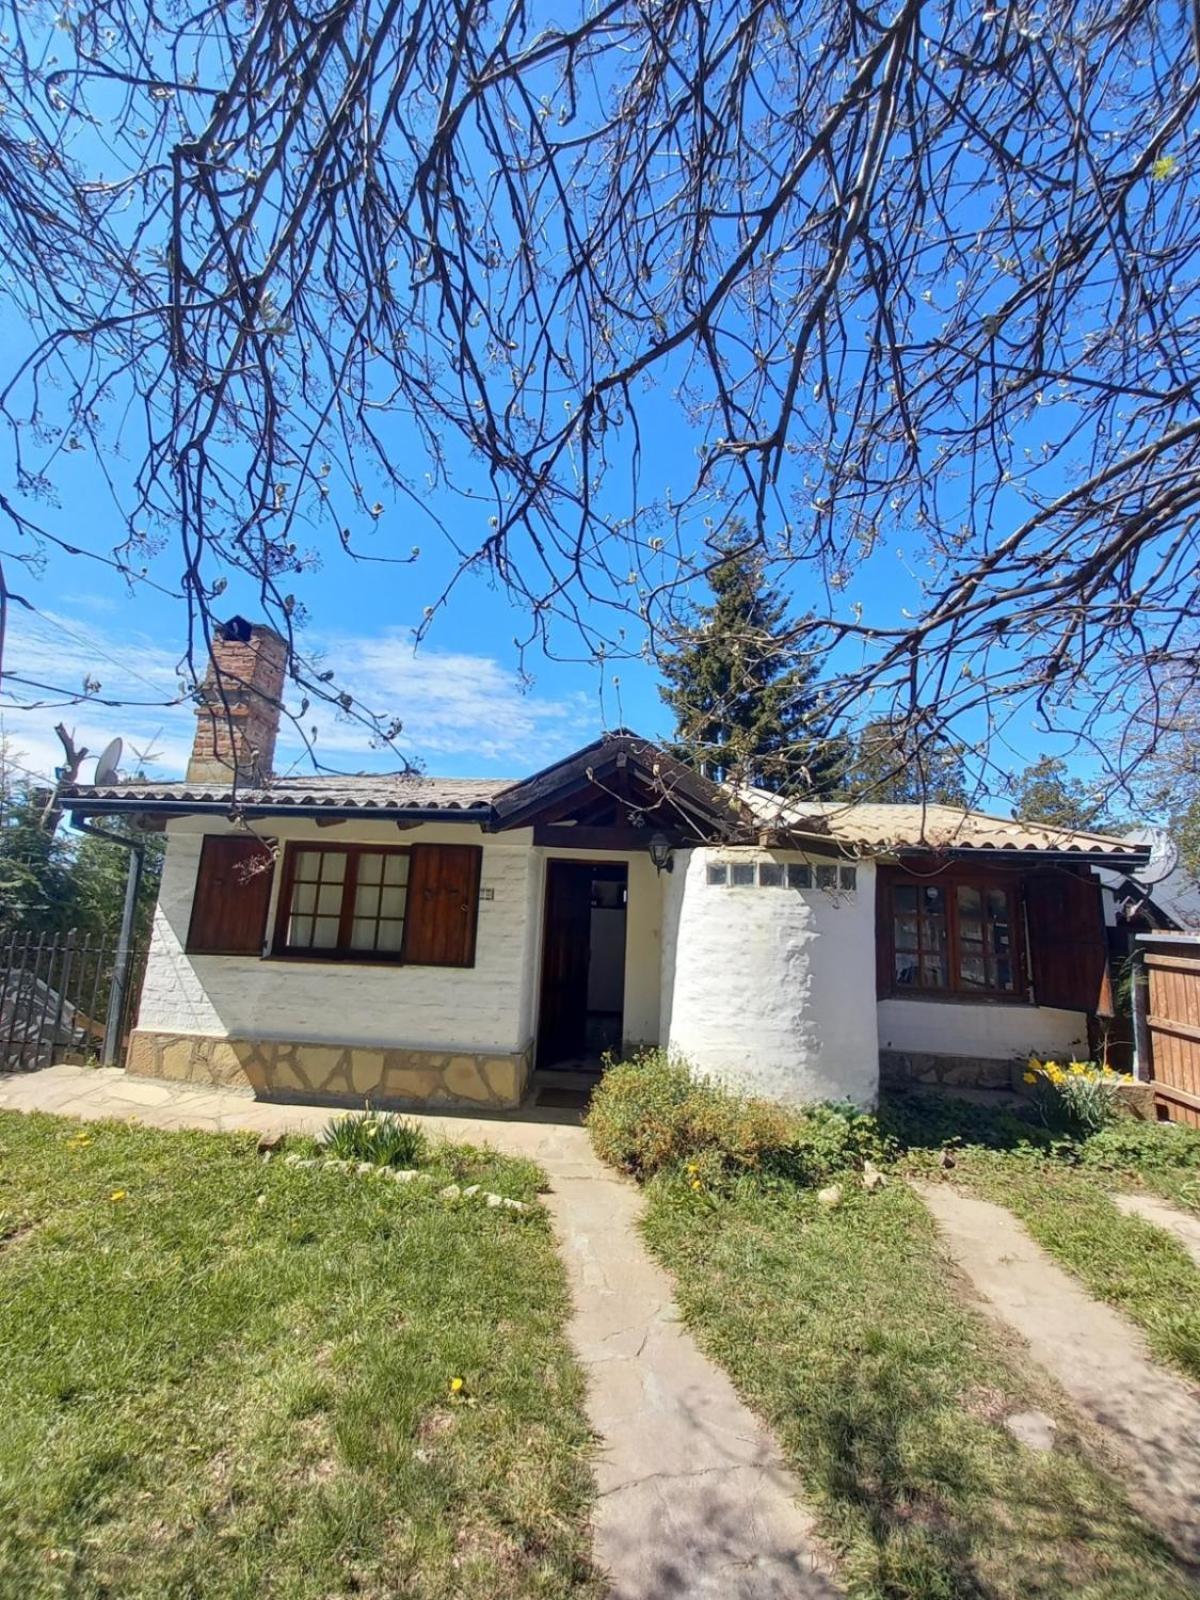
(582, 1012)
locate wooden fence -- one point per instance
(1171, 1032)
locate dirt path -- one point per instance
(1151, 1417)
(1180, 1224)
(695, 1501)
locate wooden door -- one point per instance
(562, 1030)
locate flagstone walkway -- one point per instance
(694, 1499)
(1150, 1417)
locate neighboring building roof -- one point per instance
(874, 825)
(1170, 899)
(622, 770)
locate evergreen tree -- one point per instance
(53, 879)
(898, 763)
(1045, 793)
(746, 707)
(36, 893)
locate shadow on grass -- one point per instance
(941, 1506)
(932, 1120)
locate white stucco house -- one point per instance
(434, 941)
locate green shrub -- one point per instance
(376, 1136)
(653, 1113)
(1129, 1146)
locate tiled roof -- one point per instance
(362, 792)
(866, 826)
(870, 825)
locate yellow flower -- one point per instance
(117, 1194)
(456, 1385)
(1163, 167)
(696, 1184)
(692, 1167)
(1031, 1077)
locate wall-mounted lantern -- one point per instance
(660, 848)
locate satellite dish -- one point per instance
(1164, 858)
(110, 760)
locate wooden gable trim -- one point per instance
(623, 769)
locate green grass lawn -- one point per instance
(224, 1378)
(845, 1329)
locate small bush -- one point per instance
(1128, 1146)
(653, 1113)
(376, 1136)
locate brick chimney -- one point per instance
(237, 720)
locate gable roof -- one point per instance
(632, 776)
(621, 775)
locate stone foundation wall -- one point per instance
(279, 1069)
(900, 1069)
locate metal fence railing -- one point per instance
(54, 998)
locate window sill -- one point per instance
(943, 999)
(292, 958)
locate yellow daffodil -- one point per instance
(117, 1194)
(696, 1184)
(1031, 1077)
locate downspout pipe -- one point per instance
(119, 986)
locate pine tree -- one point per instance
(899, 764)
(1045, 792)
(746, 706)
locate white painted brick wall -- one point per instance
(772, 990)
(484, 1007)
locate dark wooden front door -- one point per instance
(583, 962)
(565, 956)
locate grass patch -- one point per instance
(844, 1329)
(1060, 1189)
(236, 1379)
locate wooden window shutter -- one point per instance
(233, 888)
(443, 905)
(1068, 952)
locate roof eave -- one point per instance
(123, 805)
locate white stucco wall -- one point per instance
(985, 1028)
(772, 989)
(484, 1007)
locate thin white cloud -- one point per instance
(468, 710)
(460, 711)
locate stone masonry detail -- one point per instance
(281, 1069)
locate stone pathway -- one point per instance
(695, 1500)
(1151, 1417)
(1185, 1226)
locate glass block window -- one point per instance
(848, 877)
(741, 874)
(827, 877)
(799, 875)
(770, 875)
(718, 873)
